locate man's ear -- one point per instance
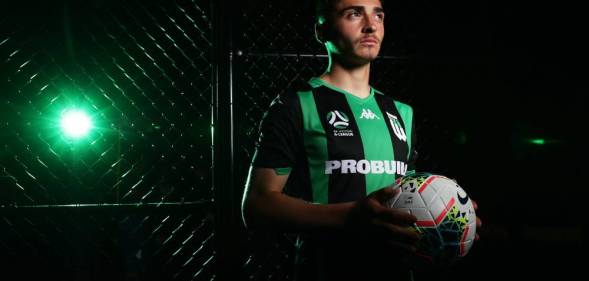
(324, 32)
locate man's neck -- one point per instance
(352, 80)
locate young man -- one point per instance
(328, 153)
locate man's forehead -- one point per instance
(342, 4)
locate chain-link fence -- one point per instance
(131, 199)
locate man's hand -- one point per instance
(371, 218)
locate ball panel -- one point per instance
(428, 195)
(409, 199)
(446, 217)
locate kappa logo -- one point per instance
(368, 114)
(397, 128)
(338, 119)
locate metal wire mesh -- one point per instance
(131, 199)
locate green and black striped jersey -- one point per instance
(335, 146)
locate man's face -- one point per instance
(357, 30)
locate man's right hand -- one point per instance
(373, 220)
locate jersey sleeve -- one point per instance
(276, 146)
(412, 161)
(408, 116)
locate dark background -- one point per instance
(153, 193)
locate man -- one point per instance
(328, 153)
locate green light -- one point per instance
(75, 123)
(538, 141)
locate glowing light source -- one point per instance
(538, 141)
(75, 123)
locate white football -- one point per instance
(445, 214)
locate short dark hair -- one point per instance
(324, 7)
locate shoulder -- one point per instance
(402, 107)
(290, 97)
(286, 106)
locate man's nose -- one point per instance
(369, 24)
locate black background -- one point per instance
(484, 77)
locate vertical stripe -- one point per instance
(376, 140)
(315, 147)
(399, 140)
(406, 113)
(343, 143)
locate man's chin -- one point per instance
(358, 59)
(368, 55)
(368, 58)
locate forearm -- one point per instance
(277, 210)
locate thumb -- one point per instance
(384, 194)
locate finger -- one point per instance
(401, 234)
(474, 204)
(384, 194)
(396, 216)
(479, 222)
(477, 237)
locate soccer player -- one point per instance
(328, 153)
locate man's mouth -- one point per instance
(369, 41)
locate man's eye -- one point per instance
(355, 14)
(380, 17)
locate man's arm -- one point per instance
(265, 206)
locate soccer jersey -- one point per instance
(335, 146)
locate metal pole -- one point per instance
(223, 139)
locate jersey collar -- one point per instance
(316, 82)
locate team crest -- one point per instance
(397, 128)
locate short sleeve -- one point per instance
(408, 116)
(411, 162)
(279, 131)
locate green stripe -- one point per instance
(315, 147)
(406, 113)
(376, 140)
(283, 171)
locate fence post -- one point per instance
(222, 129)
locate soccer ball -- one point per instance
(445, 215)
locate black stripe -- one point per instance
(342, 187)
(299, 181)
(387, 104)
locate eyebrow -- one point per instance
(376, 9)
